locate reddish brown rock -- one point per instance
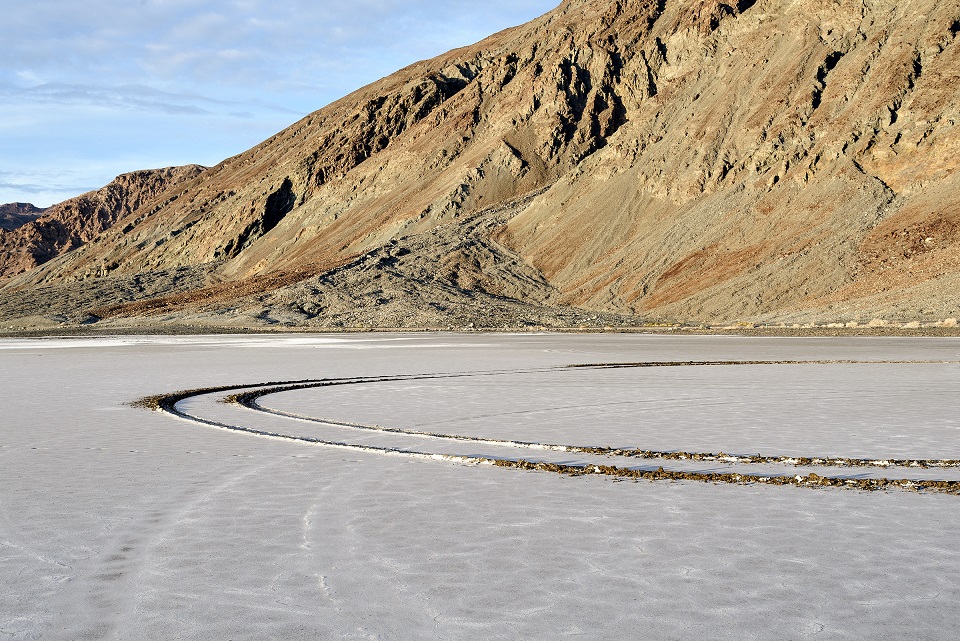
(78, 221)
(13, 215)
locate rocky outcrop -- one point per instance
(697, 160)
(783, 143)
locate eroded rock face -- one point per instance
(77, 221)
(13, 215)
(782, 139)
(696, 160)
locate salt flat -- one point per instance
(120, 523)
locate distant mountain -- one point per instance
(72, 223)
(13, 215)
(696, 160)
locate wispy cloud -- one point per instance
(238, 47)
(136, 97)
(104, 82)
(48, 187)
(26, 187)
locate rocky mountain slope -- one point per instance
(13, 215)
(696, 160)
(78, 221)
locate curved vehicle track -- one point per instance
(836, 472)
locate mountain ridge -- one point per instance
(13, 215)
(700, 161)
(77, 221)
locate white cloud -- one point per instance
(28, 77)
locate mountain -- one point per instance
(13, 215)
(72, 223)
(614, 161)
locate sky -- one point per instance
(92, 89)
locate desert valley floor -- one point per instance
(368, 486)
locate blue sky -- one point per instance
(92, 89)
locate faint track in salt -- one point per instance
(248, 395)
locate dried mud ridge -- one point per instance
(254, 391)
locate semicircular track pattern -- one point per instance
(249, 409)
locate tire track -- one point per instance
(248, 396)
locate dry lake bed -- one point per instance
(471, 486)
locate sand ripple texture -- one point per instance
(121, 523)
